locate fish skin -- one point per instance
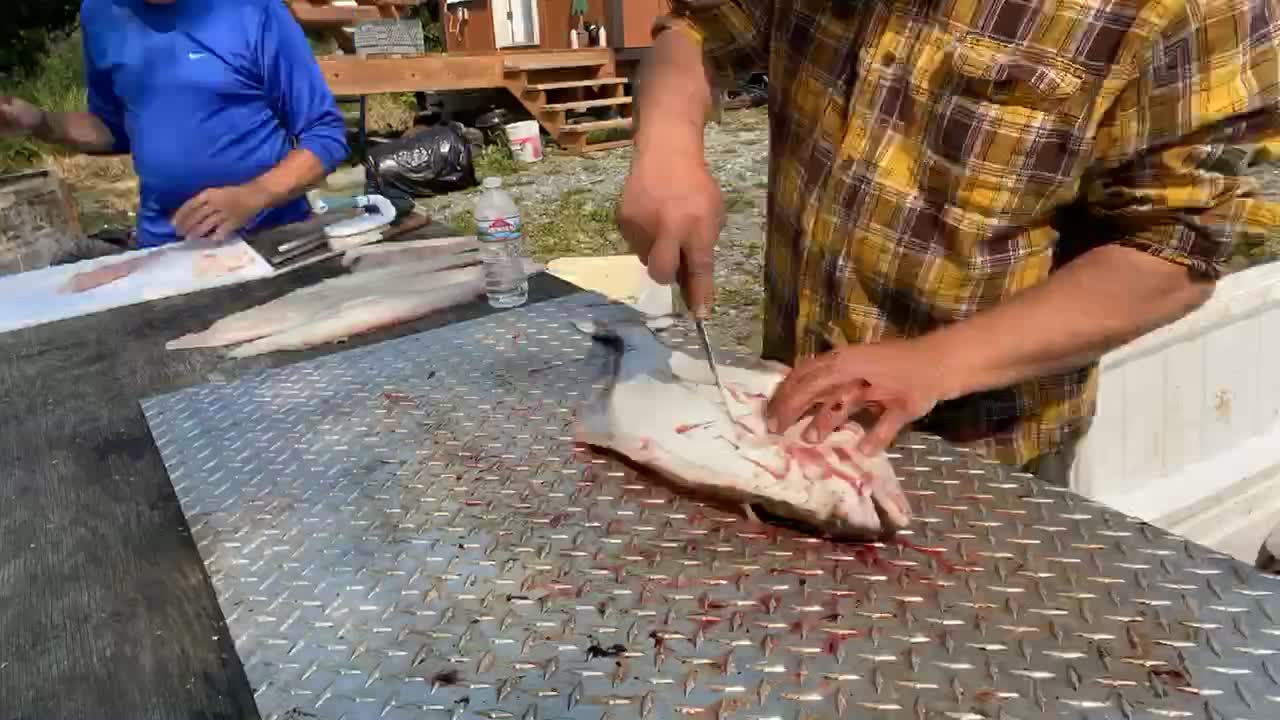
(360, 316)
(300, 306)
(377, 277)
(660, 408)
(370, 257)
(364, 314)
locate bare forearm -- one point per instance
(299, 171)
(1103, 299)
(80, 131)
(675, 96)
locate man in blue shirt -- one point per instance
(221, 104)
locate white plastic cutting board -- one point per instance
(33, 297)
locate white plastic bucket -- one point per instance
(526, 140)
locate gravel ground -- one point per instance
(568, 204)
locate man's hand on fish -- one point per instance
(899, 377)
(671, 215)
(216, 213)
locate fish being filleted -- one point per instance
(310, 303)
(660, 408)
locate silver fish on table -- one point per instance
(348, 305)
(371, 257)
(301, 305)
(363, 315)
(660, 408)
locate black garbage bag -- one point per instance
(752, 92)
(431, 161)
(493, 126)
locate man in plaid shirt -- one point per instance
(970, 201)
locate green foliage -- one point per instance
(29, 25)
(432, 36)
(56, 83)
(495, 161)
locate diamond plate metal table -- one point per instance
(408, 530)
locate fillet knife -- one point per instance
(711, 363)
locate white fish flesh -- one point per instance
(207, 263)
(307, 303)
(660, 408)
(370, 313)
(105, 274)
(371, 257)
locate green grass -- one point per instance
(736, 200)
(609, 135)
(495, 161)
(56, 84)
(741, 295)
(463, 221)
(578, 224)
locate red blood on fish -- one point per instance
(815, 457)
(832, 488)
(395, 397)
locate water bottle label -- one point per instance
(500, 229)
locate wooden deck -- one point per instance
(550, 84)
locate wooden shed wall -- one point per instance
(554, 22)
(631, 21)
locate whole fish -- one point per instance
(660, 408)
(365, 314)
(369, 257)
(302, 305)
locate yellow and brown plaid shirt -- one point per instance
(932, 158)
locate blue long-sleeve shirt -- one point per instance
(205, 94)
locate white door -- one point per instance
(515, 22)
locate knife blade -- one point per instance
(701, 328)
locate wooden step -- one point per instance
(576, 84)
(586, 127)
(587, 104)
(552, 65)
(610, 145)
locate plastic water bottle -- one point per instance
(501, 237)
